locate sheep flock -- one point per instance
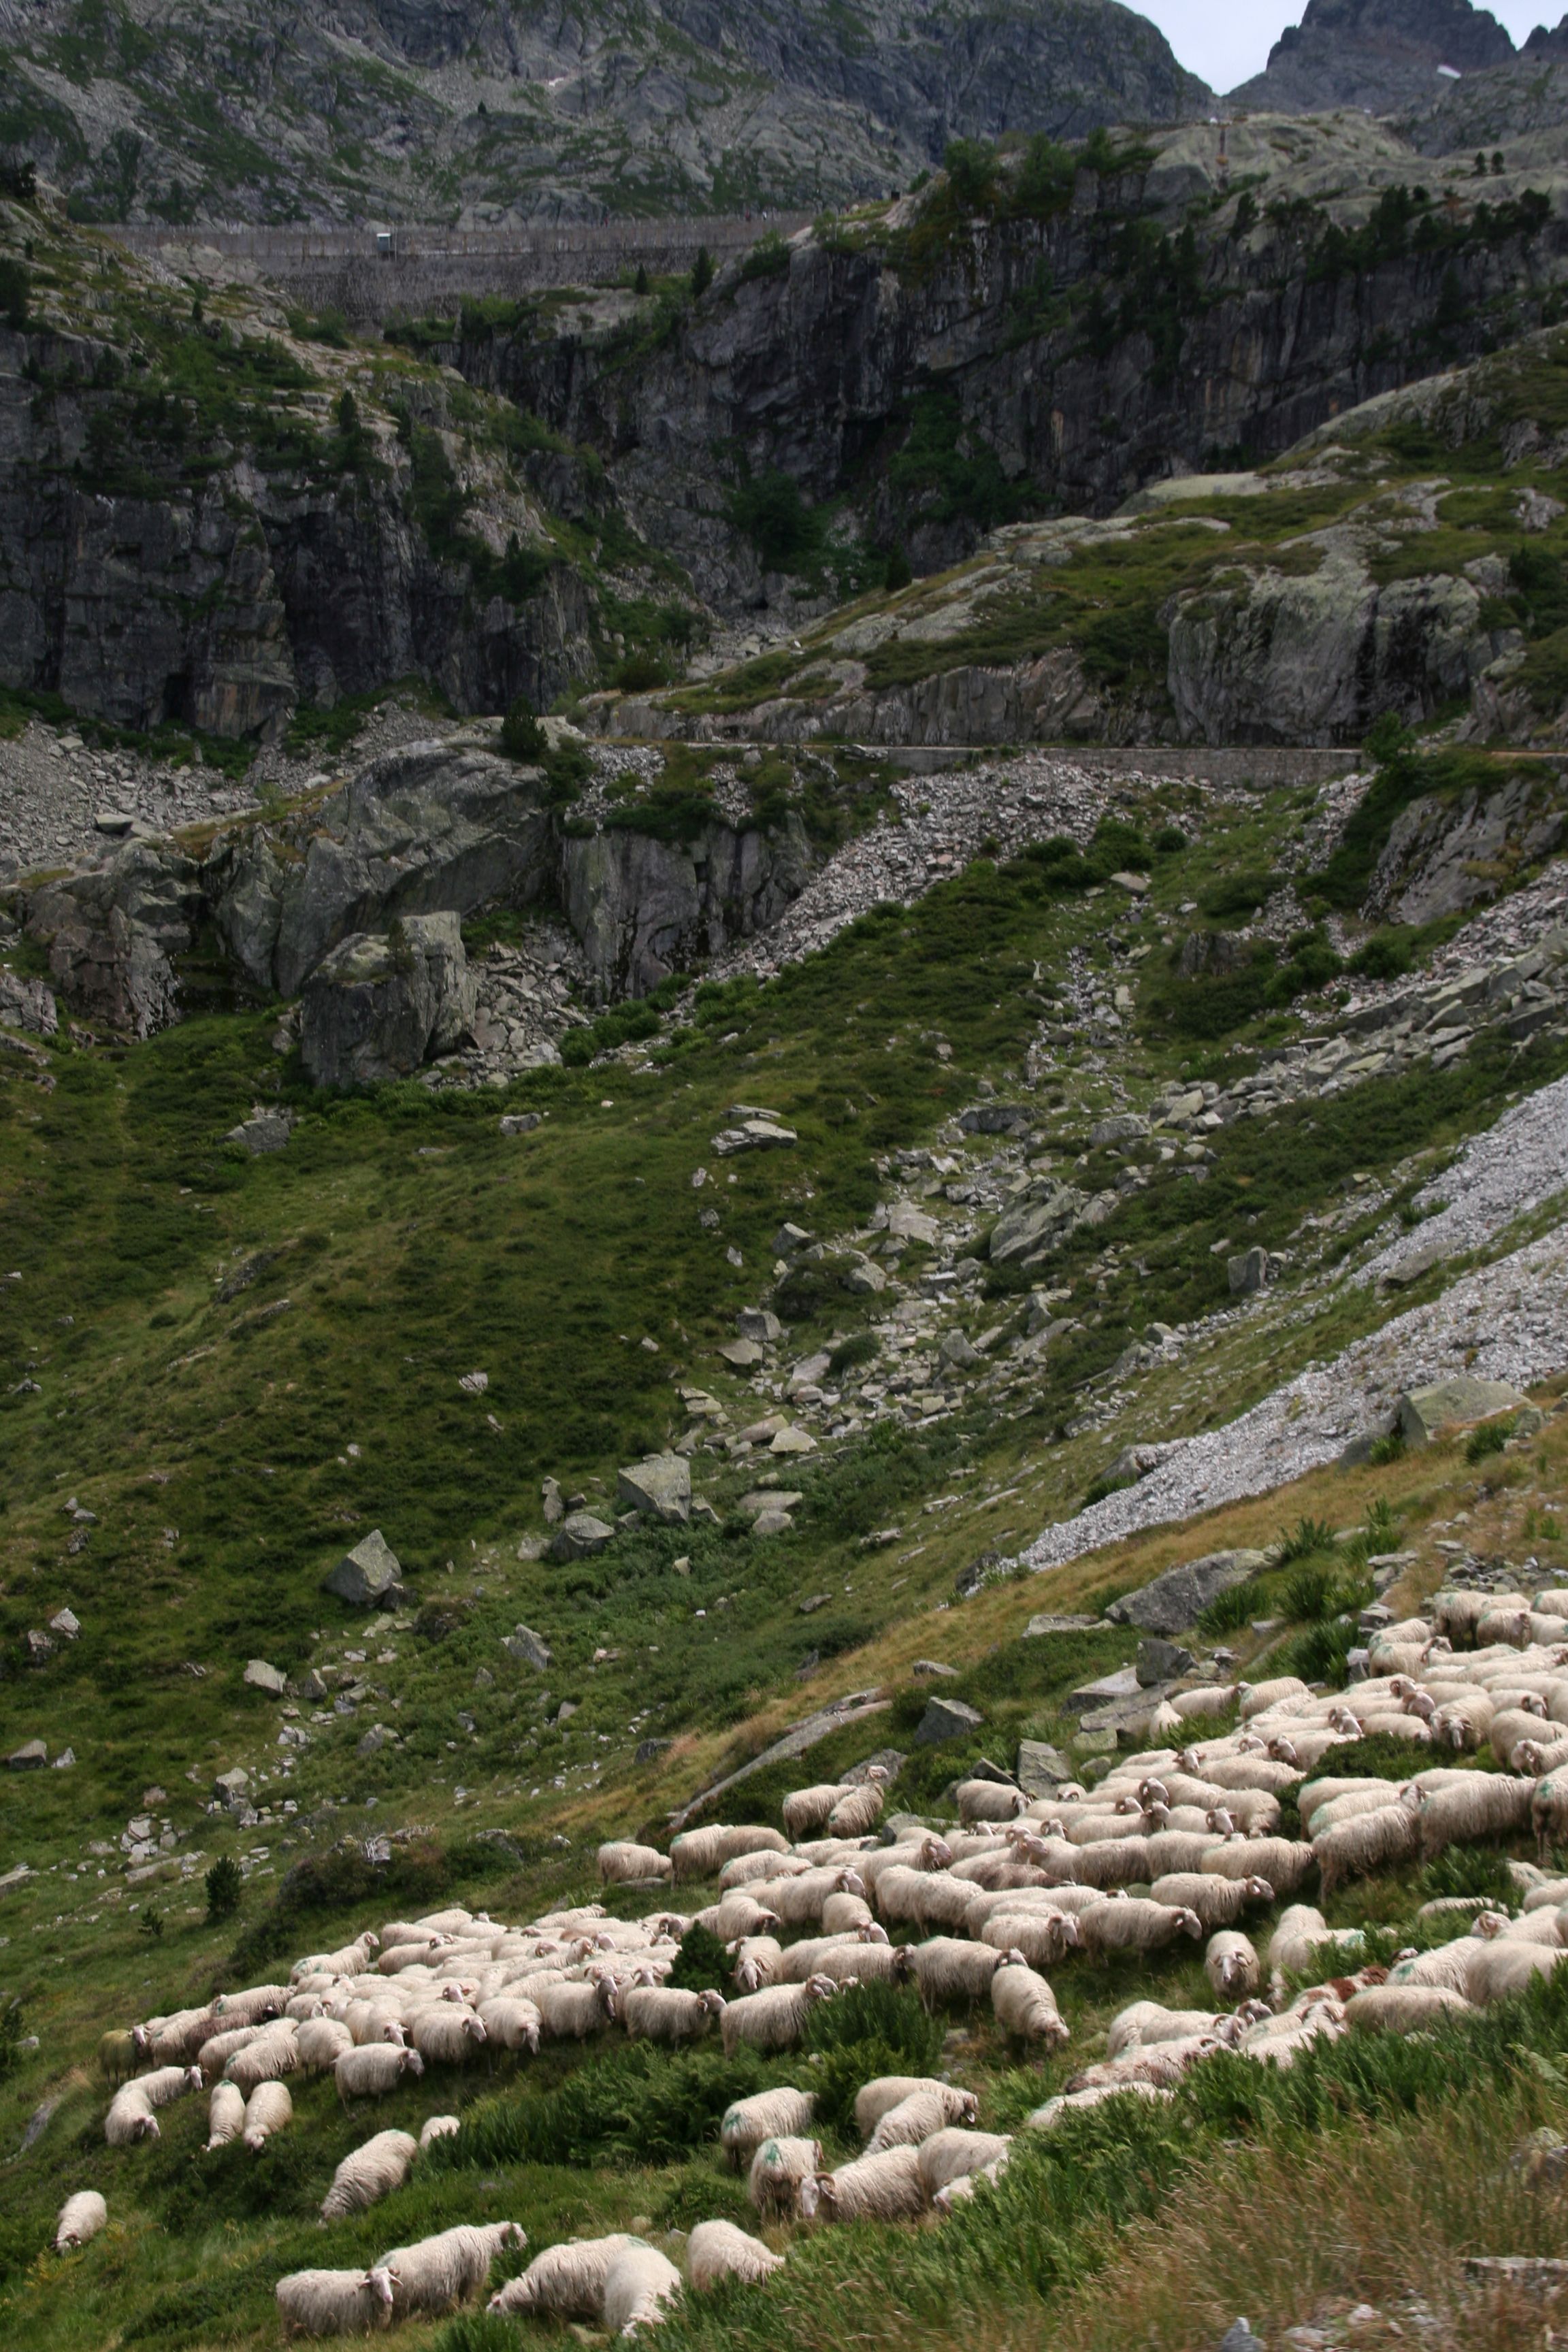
(1179, 1845)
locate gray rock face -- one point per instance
(529, 1648)
(1176, 1600)
(1036, 1226)
(376, 1007)
(579, 1535)
(1248, 1272)
(946, 1719)
(265, 1131)
(1378, 54)
(1042, 1769)
(1161, 1661)
(368, 1577)
(28, 1004)
(113, 929)
(661, 1486)
(1424, 1412)
(1442, 857)
(644, 909)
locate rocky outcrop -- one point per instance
(643, 909)
(381, 1004)
(114, 931)
(1377, 54)
(1446, 854)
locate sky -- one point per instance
(1228, 40)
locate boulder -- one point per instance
(529, 1648)
(263, 1131)
(1176, 1600)
(741, 1355)
(519, 1122)
(956, 1352)
(378, 1737)
(754, 1135)
(1041, 1767)
(1248, 1272)
(31, 1756)
(1160, 1661)
(1035, 1225)
(369, 1576)
(644, 909)
(793, 1441)
(996, 1119)
(907, 1224)
(659, 1485)
(65, 1623)
(946, 1719)
(760, 1325)
(580, 1536)
(1123, 1127)
(28, 1004)
(229, 1786)
(381, 1002)
(1106, 1690)
(933, 1667)
(1423, 1411)
(263, 1677)
(772, 1522)
(1056, 1625)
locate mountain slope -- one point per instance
(1382, 55)
(142, 109)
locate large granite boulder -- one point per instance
(1176, 1600)
(659, 1487)
(381, 1002)
(368, 1577)
(645, 908)
(113, 929)
(1444, 1404)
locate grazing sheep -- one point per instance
(1405, 2008)
(173, 2041)
(745, 1869)
(374, 2070)
(717, 2250)
(1549, 1808)
(267, 2110)
(438, 2128)
(1145, 2023)
(778, 2167)
(226, 2114)
(1161, 2063)
(797, 1901)
(1508, 1966)
(930, 2109)
(757, 1960)
(842, 1914)
(1280, 2041)
(805, 1810)
(925, 1851)
(887, 2187)
(1024, 2005)
(859, 1808)
(350, 1960)
(953, 2155)
(1257, 1697)
(448, 2034)
(620, 1860)
(850, 1961)
(1068, 2103)
(370, 2172)
(947, 1968)
(571, 2011)
(323, 2041)
(775, 2018)
(989, 1800)
(1043, 1936)
(1463, 1722)
(270, 2056)
(742, 1915)
(130, 2115)
(641, 2281)
(219, 2048)
(253, 2006)
(510, 2022)
(333, 2303)
(658, 2013)
(1252, 1775)
(1483, 1804)
(1231, 1966)
(767, 2115)
(1134, 1925)
(1208, 1698)
(1218, 1902)
(1373, 1841)
(117, 2056)
(567, 2281)
(81, 2217)
(436, 2274)
(699, 1853)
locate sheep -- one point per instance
(740, 1916)
(1024, 2004)
(1280, 2041)
(796, 1901)
(658, 2013)
(81, 2217)
(1044, 1937)
(1162, 2065)
(767, 2115)
(717, 2250)
(851, 1961)
(510, 2022)
(1145, 2023)
(1230, 1964)
(697, 1853)
(1508, 1966)
(778, 2167)
(757, 1961)
(620, 1860)
(436, 2127)
(1512, 1725)
(1135, 1925)
(370, 2172)
(567, 2281)
(1463, 1722)
(267, 2110)
(448, 2034)
(1066, 2103)
(226, 2114)
(219, 2048)
(930, 2109)
(1283, 1864)
(952, 2155)
(925, 1851)
(569, 2011)
(173, 2041)
(438, 2273)
(859, 1808)
(253, 2006)
(1257, 1697)
(805, 1810)
(1404, 2008)
(947, 1968)
(273, 2054)
(1208, 1698)
(1218, 1902)
(641, 2281)
(989, 1800)
(1252, 1775)
(323, 2041)
(130, 2115)
(775, 2018)
(1485, 1804)
(842, 1914)
(374, 2070)
(117, 2056)
(1373, 1841)
(350, 1961)
(887, 2187)
(333, 2303)
(1549, 1808)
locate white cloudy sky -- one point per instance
(1227, 41)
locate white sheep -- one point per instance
(805, 1810)
(859, 1808)
(663, 2013)
(1044, 1937)
(1066, 2103)
(620, 1860)
(948, 1968)
(953, 2155)
(321, 2042)
(1404, 2008)
(269, 2109)
(567, 2281)
(370, 2172)
(745, 1869)
(887, 2187)
(717, 2250)
(778, 2167)
(130, 2115)
(757, 1960)
(350, 1960)
(219, 2048)
(81, 2217)
(1374, 1842)
(251, 2006)
(797, 1901)
(438, 2273)
(1231, 1965)
(1257, 1697)
(226, 2114)
(736, 1917)
(1143, 2024)
(371, 2072)
(439, 2127)
(766, 2115)
(510, 2022)
(1161, 2063)
(333, 2303)
(448, 2034)
(775, 2018)
(1134, 1925)
(1508, 1966)
(850, 1961)
(697, 1853)
(989, 1800)
(570, 2012)
(174, 2040)
(1025, 2006)
(641, 2281)
(268, 2059)
(1218, 1902)
(932, 2109)
(1483, 1804)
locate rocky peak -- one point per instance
(1376, 54)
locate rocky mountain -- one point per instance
(406, 109)
(1382, 55)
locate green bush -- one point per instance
(1229, 1613)
(782, 528)
(1305, 1540)
(769, 257)
(1468, 1869)
(15, 285)
(860, 1347)
(11, 2015)
(225, 1884)
(703, 1964)
(1489, 1438)
(633, 2105)
(701, 273)
(522, 735)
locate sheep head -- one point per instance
(1257, 1890)
(193, 2078)
(1485, 1924)
(903, 1964)
(511, 2233)
(146, 2128)
(849, 1882)
(816, 2190)
(609, 2000)
(141, 2042)
(1189, 1924)
(474, 2027)
(871, 1931)
(1283, 1750)
(1153, 1792)
(411, 2061)
(935, 1854)
(1011, 1959)
(713, 2002)
(819, 1988)
(379, 2282)
(1222, 1820)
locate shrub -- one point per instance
(701, 273)
(1381, 1524)
(899, 571)
(860, 1347)
(1386, 1449)
(1468, 1869)
(703, 1964)
(11, 2013)
(1229, 1612)
(890, 2014)
(633, 2105)
(1169, 840)
(225, 1884)
(16, 285)
(769, 257)
(1489, 1438)
(1305, 1540)
(776, 519)
(522, 735)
